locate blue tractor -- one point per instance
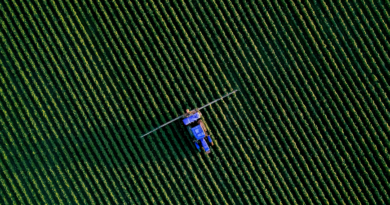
(197, 128)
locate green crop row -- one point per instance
(24, 133)
(95, 150)
(349, 104)
(62, 133)
(14, 173)
(373, 131)
(36, 116)
(332, 104)
(78, 105)
(313, 96)
(294, 107)
(311, 121)
(80, 80)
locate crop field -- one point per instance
(81, 80)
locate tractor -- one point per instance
(196, 127)
(198, 130)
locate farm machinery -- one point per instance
(196, 126)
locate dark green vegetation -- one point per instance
(80, 80)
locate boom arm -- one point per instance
(216, 100)
(162, 125)
(165, 124)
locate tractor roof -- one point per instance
(191, 118)
(198, 132)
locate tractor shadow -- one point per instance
(171, 142)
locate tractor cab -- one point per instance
(197, 130)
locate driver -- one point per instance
(188, 113)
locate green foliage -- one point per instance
(80, 80)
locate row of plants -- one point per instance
(307, 143)
(376, 99)
(84, 79)
(316, 101)
(19, 139)
(375, 129)
(317, 63)
(32, 103)
(12, 176)
(74, 97)
(355, 114)
(302, 105)
(94, 161)
(59, 125)
(336, 109)
(369, 41)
